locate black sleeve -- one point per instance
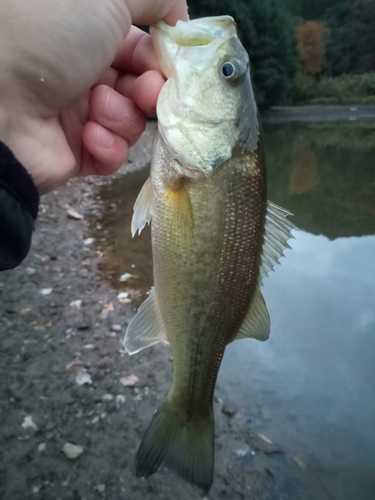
(19, 201)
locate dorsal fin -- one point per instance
(276, 235)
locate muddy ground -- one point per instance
(63, 377)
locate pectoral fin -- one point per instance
(142, 208)
(146, 328)
(277, 233)
(257, 321)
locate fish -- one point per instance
(214, 234)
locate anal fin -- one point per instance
(256, 324)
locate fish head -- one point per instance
(206, 107)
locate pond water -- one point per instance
(311, 387)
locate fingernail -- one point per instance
(104, 138)
(114, 108)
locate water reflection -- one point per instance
(311, 386)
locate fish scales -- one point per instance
(206, 270)
(214, 235)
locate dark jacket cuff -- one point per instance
(17, 181)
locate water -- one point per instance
(311, 387)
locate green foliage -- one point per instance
(344, 89)
(266, 31)
(351, 44)
(309, 10)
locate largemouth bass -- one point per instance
(214, 235)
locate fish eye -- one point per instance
(227, 69)
(233, 71)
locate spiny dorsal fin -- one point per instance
(146, 328)
(142, 208)
(256, 325)
(276, 235)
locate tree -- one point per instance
(311, 47)
(266, 31)
(351, 45)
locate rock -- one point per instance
(72, 214)
(130, 381)
(106, 363)
(120, 399)
(229, 409)
(101, 488)
(107, 397)
(124, 277)
(243, 451)
(72, 451)
(83, 326)
(28, 423)
(267, 446)
(89, 346)
(123, 297)
(46, 291)
(88, 241)
(116, 328)
(42, 447)
(76, 303)
(82, 377)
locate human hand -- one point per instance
(77, 82)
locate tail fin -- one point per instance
(187, 447)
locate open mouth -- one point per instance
(199, 32)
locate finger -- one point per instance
(109, 77)
(125, 85)
(144, 12)
(116, 113)
(143, 90)
(136, 55)
(106, 152)
(146, 89)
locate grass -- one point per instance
(343, 89)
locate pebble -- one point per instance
(42, 447)
(73, 214)
(124, 277)
(82, 377)
(107, 397)
(242, 452)
(76, 303)
(116, 328)
(45, 291)
(101, 488)
(28, 423)
(72, 451)
(229, 409)
(120, 399)
(130, 381)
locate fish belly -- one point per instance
(207, 237)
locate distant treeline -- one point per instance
(293, 44)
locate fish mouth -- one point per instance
(167, 40)
(199, 31)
